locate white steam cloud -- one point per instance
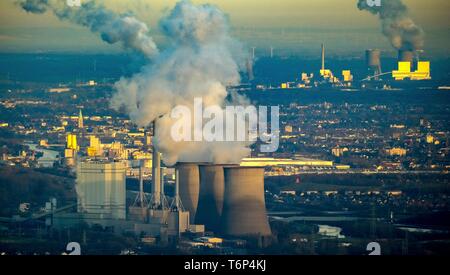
(396, 24)
(201, 60)
(113, 28)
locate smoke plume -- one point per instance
(201, 60)
(113, 28)
(396, 24)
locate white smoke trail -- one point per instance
(397, 24)
(203, 58)
(113, 28)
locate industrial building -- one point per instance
(223, 199)
(101, 200)
(101, 188)
(404, 71)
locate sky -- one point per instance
(290, 26)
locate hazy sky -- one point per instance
(288, 25)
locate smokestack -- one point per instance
(250, 70)
(189, 186)
(210, 204)
(244, 209)
(323, 57)
(156, 169)
(156, 185)
(163, 199)
(141, 183)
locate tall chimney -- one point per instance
(141, 183)
(156, 185)
(323, 57)
(156, 166)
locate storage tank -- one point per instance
(189, 185)
(210, 204)
(244, 210)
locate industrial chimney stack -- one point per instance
(156, 176)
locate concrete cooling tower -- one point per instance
(373, 58)
(244, 209)
(210, 204)
(189, 185)
(373, 62)
(405, 55)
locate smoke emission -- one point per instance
(201, 60)
(113, 28)
(396, 24)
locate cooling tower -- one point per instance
(210, 204)
(405, 55)
(189, 185)
(373, 62)
(244, 209)
(373, 59)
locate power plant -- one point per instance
(225, 198)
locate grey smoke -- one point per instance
(113, 28)
(397, 25)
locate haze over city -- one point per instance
(292, 26)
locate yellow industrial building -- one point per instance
(95, 147)
(396, 152)
(404, 71)
(72, 142)
(347, 76)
